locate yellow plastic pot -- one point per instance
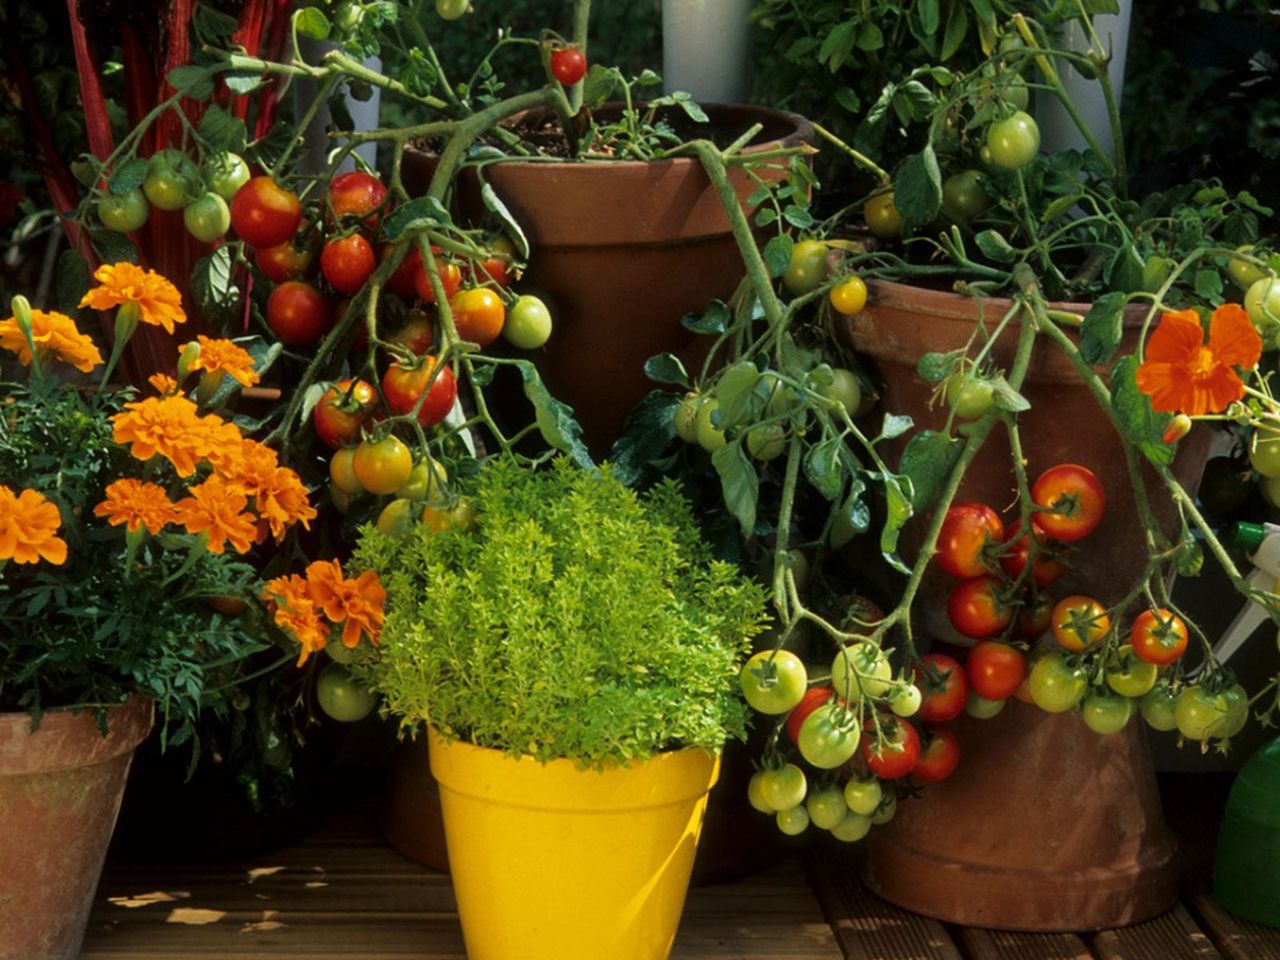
(550, 862)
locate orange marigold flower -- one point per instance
(163, 383)
(168, 426)
(356, 604)
(158, 300)
(216, 509)
(295, 614)
(278, 493)
(1183, 374)
(223, 356)
(28, 523)
(55, 335)
(137, 504)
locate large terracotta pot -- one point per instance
(1045, 825)
(620, 252)
(60, 790)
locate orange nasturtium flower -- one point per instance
(157, 300)
(356, 604)
(28, 524)
(55, 335)
(296, 614)
(137, 504)
(1183, 374)
(223, 356)
(216, 509)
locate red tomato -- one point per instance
(403, 385)
(356, 194)
(494, 269)
(995, 670)
(264, 214)
(1158, 636)
(568, 65)
(450, 279)
(283, 262)
(1079, 623)
(342, 410)
(416, 334)
(942, 681)
(813, 698)
(347, 262)
(1071, 502)
(964, 537)
(896, 755)
(939, 756)
(298, 314)
(1035, 617)
(401, 280)
(478, 315)
(976, 608)
(1047, 567)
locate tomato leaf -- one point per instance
(71, 281)
(212, 25)
(599, 85)
(798, 216)
(649, 430)
(739, 484)
(1007, 398)
(714, 320)
(822, 467)
(930, 15)
(1103, 327)
(927, 461)
(414, 215)
(242, 83)
(195, 82)
(1189, 559)
(838, 45)
(917, 189)
(898, 502)
(555, 418)
(128, 176)
(936, 367)
(777, 254)
(666, 368)
(212, 282)
(895, 425)
(957, 28)
(737, 395)
(311, 398)
(311, 22)
(995, 246)
(1208, 283)
(870, 37)
(221, 131)
(1102, 6)
(1142, 425)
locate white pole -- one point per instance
(706, 46)
(364, 114)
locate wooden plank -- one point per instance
(867, 927)
(1236, 938)
(1006, 945)
(1172, 936)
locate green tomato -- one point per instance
(226, 173)
(1199, 713)
(208, 218)
(773, 681)
(710, 437)
(784, 787)
(1130, 676)
(852, 828)
(1158, 708)
(341, 697)
(863, 796)
(963, 197)
(528, 324)
(1237, 714)
(451, 9)
(1014, 141)
(884, 813)
(755, 793)
(793, 821)
(982, 708)
(1264, 452)
(397, 518)
(1155, 272)
(1262, 302)
(686, 417)
(1016, 93)
(782, 399)
(428, 481)
(1055, 685)
(766, 441)
(843, 389)
(1243, 273)
(829, 736)
(826, 808)
(125, 212)
(1106, 714)
(906, 701)
(863, 658)
(882, 216)
(171, 180)
(971, 397)
(808, 267)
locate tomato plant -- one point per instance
(813, 698)
(1200, 712)
(964, 541)
(298, 314)
(396, 518)
(403, 385)
(226, 173)
(863, 796)
(784, 787)
(995, 670)
(849, 296)
(808, 267)
(969, 396)
(1159, 707)
(125, 212)
(528, 325)
(568, 65)
(852, 828)
(939, 756)
(976, 608)
(793, 821)
(981, 708)
(774, 681)
(347, 262)
(860, 668)
(171, 180)
(893, 754)
(1262, 303)
(944, 686)
(1014, 141)
(1055, 684)
(755, 793)
(766, 441)
(264, 214)
(829, 736)
(1129, 675)
(401, 280)
(1158, 636)
(882, 217)
(416, 334)
(382, 466)
(826, 808)
(450, 279)
(343, 473)
(1047, 566)
(1035, 615)
(906, 701)
(341, 697)
(1079, 623)
(710, 437)
(1264, 452)
(428, 480)
(357, 195)
(207, 219)
(1106, 713)
(963, 197)
(283, 262)
(342, 410)
(1069, 501)
(843, 389)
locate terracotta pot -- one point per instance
(60, 790)
(620, 252)
(1045, 825)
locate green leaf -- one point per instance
(870, 37)
(895, 425)
(957, 30)
(838, 45)
(211, 24)
(666, 368)
(714, 320)
(1102, 6)
(1103, 328)
(242, 83)
(311, 398)
(1007, 398)
(128, 176)
(927, 461)
(1142, 425)
(195, 82)
(555, 419)
(1059, 208)
(777, 254)
(822, 467)
(650, 428)
(493, 203)
(71, 281)
(211, 282)
(311, 22)
(222, 131)
(995, 246)
(936, 367)
(599, 86)
(898, 512)
(917, 189)
(739, 484)
(930, 15)
(1189, 560)
(414, 215)
(799, 217)
(1208, 283)
(733, 392)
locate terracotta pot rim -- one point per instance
(69, 737)
(948, 304)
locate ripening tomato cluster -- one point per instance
(173, 181)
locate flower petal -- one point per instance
(1232, 337)
(1177, 337)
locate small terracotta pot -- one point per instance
(621, 252)
(1044, 825)
(60, 791)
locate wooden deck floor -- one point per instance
(340, 893)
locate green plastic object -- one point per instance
(1247, 536)
(1246, 871)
